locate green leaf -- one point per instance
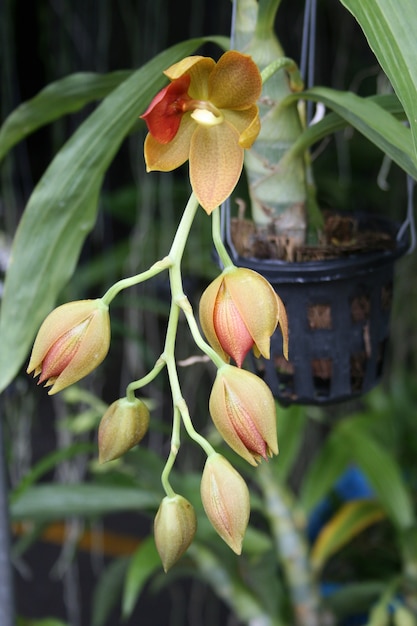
(229, 587)
(62, 209)
(143, 564)
(350, 520)
(47, 463)
(332, 123)
(57, 99)
(326, 467)
(55, 501)
(108, 591)
(291, 424)
(382, 471)
(370, 119)
(390, 29)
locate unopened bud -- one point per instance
(174, 527)
(225, 498)
(123, 426)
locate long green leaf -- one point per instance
(55, 502)
(62, 209)
(332, 123)
(326, 467)
(143, 564)
(352, 518)
(57, 99)
(382, 471)
(108, 591)
(390, 28)
(47, 463)
(370, 119)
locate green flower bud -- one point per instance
(123, 425)
(225, 498)
(174, 528)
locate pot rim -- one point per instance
(326, 269)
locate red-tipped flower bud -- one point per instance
(174, 527)
(240, 310)
(242, 408)
(225, 498)
(123, 426)
(72, 341)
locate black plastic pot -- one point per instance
(339, 313)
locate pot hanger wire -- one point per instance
(409, 222)
(308, 50)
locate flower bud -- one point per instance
(174, 528)
(225, 498)
(242, 408)
(240, 310)
(72, 341)
(123, 426)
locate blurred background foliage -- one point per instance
(333, 521)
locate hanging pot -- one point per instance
(338, 312)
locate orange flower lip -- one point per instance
(208, 115)
(163, 115)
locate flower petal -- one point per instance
(261, 317)
(199, 69)
(163, 115)
(167, 157)
(235, 82)
(216, 161)
(246, 122)
(94, 348)
(56, 324)
(206, 314)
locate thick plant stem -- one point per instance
(291, 549)
(7, 617)
(277, 189)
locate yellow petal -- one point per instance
(283, 324)
(216, 162)
(199, 68)
(246, 122)
(235, 82)
(257, 303)
(169, 156)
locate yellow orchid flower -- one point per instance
(208, 115)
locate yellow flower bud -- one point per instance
(240, 310)
(72, 341)
(242, 408)
(225, 498)
(123, 426)
(174, 528)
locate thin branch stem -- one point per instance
(218, 241)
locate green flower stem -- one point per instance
(180, 302)
(141, 382)
(203, 345)
(180, 406)
(218, 241)
(174, 255)
(284, 63)
(175, 446)
(156, 268)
